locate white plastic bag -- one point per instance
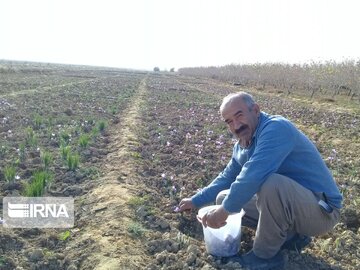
(224, 241)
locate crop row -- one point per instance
(47, 134)
(186, 144)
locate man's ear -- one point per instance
(257, 109)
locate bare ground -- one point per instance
(107, 245)
(167, 136)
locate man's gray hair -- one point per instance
(246, 97)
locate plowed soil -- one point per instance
(163, 139)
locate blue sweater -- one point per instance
(277, 147)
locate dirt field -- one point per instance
(144, 140)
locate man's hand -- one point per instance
(215, 218)
(186, 204)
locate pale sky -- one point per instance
(142, 34)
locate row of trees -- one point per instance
(157, 69)
(329, 77)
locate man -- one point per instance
(278, 177)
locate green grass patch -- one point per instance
(102, 125)
(136, 155)
(84, 140)
(138, 201)
(64, 235)
(113, 110)
(38, 121)
(9, 173)
(47, 159)
(90, 172)
(37, 186)
(3, 150)
(65, 150)
(65, 138)
(22, 154)
(31, 138)
(73, 161)
(136, 229)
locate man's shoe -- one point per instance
(252, 262)
(297, 243)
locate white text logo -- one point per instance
(33, 210)
(39, 212)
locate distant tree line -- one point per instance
(157, 69)
(327, 78)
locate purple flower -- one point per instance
(176, 209)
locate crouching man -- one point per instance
(277, 175)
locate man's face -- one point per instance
(241, 120)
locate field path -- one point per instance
(103, 240)
(42, 89)
(52, 87)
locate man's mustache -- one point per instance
(240, 129)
